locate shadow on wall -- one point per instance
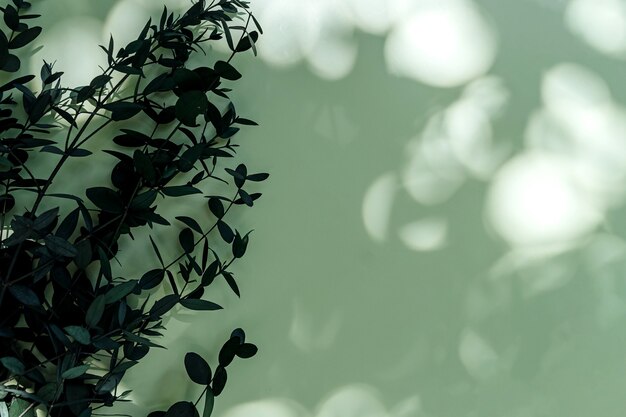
(444, 223)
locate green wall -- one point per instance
(441, 234)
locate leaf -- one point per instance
(247, 41)
(199, 304)
(100, 81)
(239, 245)
(185, 238)
(228, 351)
(180, 190)
(12, 64)
(119, 291)
(247, 350)
(21, 407)
(209, 400)
(13, 364)
(105, 199)
(156, 250)
(24, 38)
(65, 116)
(189, 106)
(230, 280)
(151, 279)
(219, 380)
(122, 110)
(163, 305)
(79, 333)
(78, 152)
(95, 311)
(45, 219)
(227, 71)
(247, 122)
(24, 295)
(192, 223)
(258, 177)
(216, 207)
(197, 368)
(75, 372)
(144, 166)
(60, 246)
(210, 273)
(84, 254)
(144, 200)
(11, 17)
(182, 409)
(225, 231)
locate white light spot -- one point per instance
(477, 356)
(444, 43)
(73, 46)
(425, 235)
(124, 22)
(266, 408)
(534, 200)
(353, 401)
(600, 23)
(377, 205)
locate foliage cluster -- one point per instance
(70, 325)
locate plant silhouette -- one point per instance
(72, 322)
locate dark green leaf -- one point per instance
(225, 231)
(75, 372)
(151, 279)
(189, 106)
(210, 273)
(100, 81)
(230, 280)
(144, 200)
(12, 64)
(84, 254)
(182, 409)
(197, 368)
(45, 219)
(258, 177)
(24, 295)
(60, 246)
(122, 110)
(192, 223)
(11, 17)
(216, 207)
(65, 116)
(105, 199)
(185, 238)
(156, 251)
(225, 70)
(78, 152)
(180, 190)
(228, 351)
(239, 334)
(24, 38)
(144, 166)
(13, 364)
(119, 291)
(199, 305)
(246, 350)
(219, 380)
(80, 334)
(239, 245)
(95, 311)
(209, 400)
(163, 305)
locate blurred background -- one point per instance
(442, 234)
